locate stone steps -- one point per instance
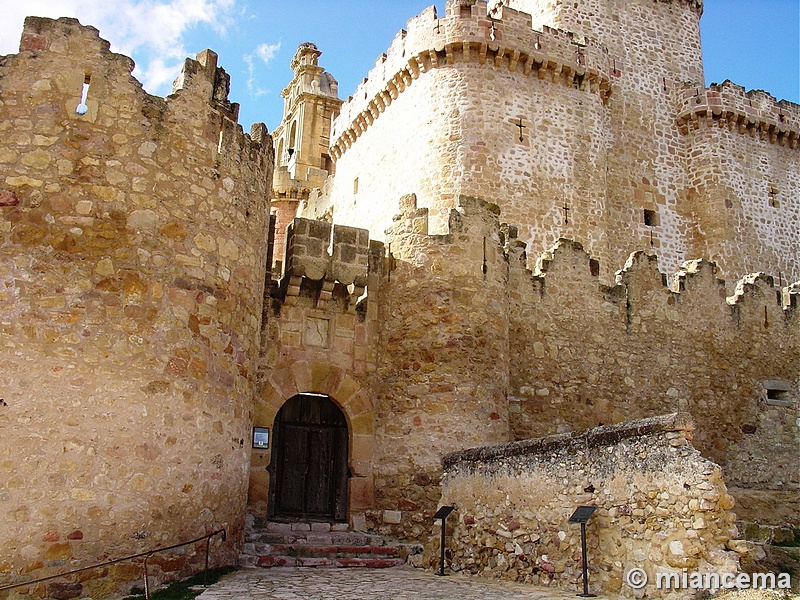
(324, 561)
(321, 545)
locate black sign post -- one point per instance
(442, 514)
(582, 515)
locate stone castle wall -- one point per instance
(470, 347)
(633, 350)
(606, 155)
(137, 330)
(469, 142)
(132, 247)
(660, 506)
(441, 376)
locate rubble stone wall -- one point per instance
(132, 260)
(660, 506)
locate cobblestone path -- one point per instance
(403, 583)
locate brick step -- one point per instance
(337, 562)
(314, 544)
(344, 538)
(313, 550)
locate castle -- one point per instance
(470, 250)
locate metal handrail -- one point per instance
(146, 556)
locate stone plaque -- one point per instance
(315, 332)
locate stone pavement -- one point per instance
(401, 583)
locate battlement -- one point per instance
(317, 251)
(467, 33)
(90, 76)
(695, 5)
(475, 228)
(754, 112)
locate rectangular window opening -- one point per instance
(650, 218)
(779, 393)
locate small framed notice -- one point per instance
(261, 438)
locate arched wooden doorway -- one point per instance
(309, 460)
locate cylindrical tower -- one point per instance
(132, 248)
(654, 50)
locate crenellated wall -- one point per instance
(140, 341)
(591, 131)
(587, 354)
(471, 348)
(132, 247)
(466, 32)
(473, 344)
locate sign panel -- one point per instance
(582, 514)
(261, 438)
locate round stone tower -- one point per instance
(132, 261)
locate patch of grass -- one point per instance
(181, 590)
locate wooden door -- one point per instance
(309, 466)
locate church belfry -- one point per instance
(302, 162)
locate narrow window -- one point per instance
(650, 218)
(355, 185)
(777, 394)
(82, 108)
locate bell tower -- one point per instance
(302, 162)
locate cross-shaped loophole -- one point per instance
(521, 127)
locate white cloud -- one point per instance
(151, 31)
(264, 52)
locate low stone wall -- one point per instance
(660, 505)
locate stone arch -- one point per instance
(292, 144)
(355, 401)
(281, 159)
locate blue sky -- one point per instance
(755, 43)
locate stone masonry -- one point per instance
(660, 505)
(539, 223)
(585, 120)
(132, 242)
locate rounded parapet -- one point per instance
(753, 112)
(468, 34)
(695, 5)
